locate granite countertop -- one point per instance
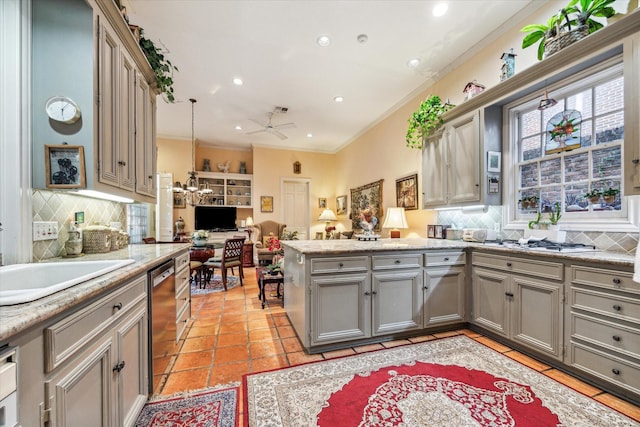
(338, 247)
(20, 317)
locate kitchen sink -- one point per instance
(20, 283)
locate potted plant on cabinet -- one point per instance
(161, 66)
(540, 32)
(425, 120)
(555, 215)
(585, 9)
(593, 195)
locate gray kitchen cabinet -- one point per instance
(603, 325)
(96, 361)
(396, 295)
(340, 308)
(145, 137)
(444, 288)
(520, 299)
(631, 163)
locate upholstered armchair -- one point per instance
(266, 229)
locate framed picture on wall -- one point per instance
(179, 201)
(266, 203)
(407, 192)
(322, 203)
(64, 166)
(341, 205)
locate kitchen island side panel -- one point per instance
(297, 293)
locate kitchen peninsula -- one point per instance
(578, 311)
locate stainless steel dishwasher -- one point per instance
(162, 316)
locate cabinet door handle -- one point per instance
(119, 367)
(426, 288)
(616, 338)
(617, 281)
(615, 371)
(509, 264)
(509, 294)
(122, 163)
(397, 261)
(617, 307)
(446, 258)
(635, 161)
(374, 293)
(118, 306)
(341, 265)
(367, 293)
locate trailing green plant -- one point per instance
(610, 192)
(593, 194)
(426, 119)
(585, 9)
(556, 214)
(161, 66)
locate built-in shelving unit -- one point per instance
(228, 189)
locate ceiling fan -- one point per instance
(271, 128)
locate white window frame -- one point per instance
(625, 220)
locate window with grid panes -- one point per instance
(137, 221)
(565, 169)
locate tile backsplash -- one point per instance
(607, 241)
(60, 207)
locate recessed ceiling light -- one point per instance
(238, 127)
(338, 99)
(362, 38)
(323, 41)
(413, 62)
(309, 135)
(440, 9)
(238, 81)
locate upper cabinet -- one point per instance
(631, 165)
(101, 67)
(454, 161)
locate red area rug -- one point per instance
(447, 382)
(198, 408)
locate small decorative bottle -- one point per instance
(179, 225)
(243, 167)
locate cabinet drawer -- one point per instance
(621, 372)
(606, 334)
(182, 320)
(339, 265)
(182, 276)
(387, 262)
(181, 261)
(610, 279)
(444, 258)
(64, 338)
(182, 296)
(601, 303)
(543, 269)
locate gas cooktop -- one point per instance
(543, 245)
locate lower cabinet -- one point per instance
(519, 299)
(97, 362)
(444, 288)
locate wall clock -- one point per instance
(62, 109)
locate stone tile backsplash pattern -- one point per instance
(59, 206)
(617, 242)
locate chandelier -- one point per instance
(194, 192)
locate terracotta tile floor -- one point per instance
(230, 335)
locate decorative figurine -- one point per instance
(472, 89)
(508, 65)
(224, 167)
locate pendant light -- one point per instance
(192, 181)
(546, 102)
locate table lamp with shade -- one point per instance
(327, 216)
(249, 225)
(394, 220)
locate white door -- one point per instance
(295, 206)
(164, 208)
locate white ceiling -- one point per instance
(272, 46)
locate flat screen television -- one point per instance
(216, 218)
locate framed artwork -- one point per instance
(297, 167)
(431, 231)
(322, 203)
(179, 202)
(367, 196)
(319, 235)
(407, 192)
(266, 203)
(64, 166)
(493, 161)
(439, 232)
(341, 205)
(563, 132)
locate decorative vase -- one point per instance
(243, 167)
(609, 199)
(594, 200)
(207, 165)
(199, 242)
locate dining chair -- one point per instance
(231, 257)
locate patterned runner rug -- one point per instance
(215, 285)
(197, 408)
(447, 382)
